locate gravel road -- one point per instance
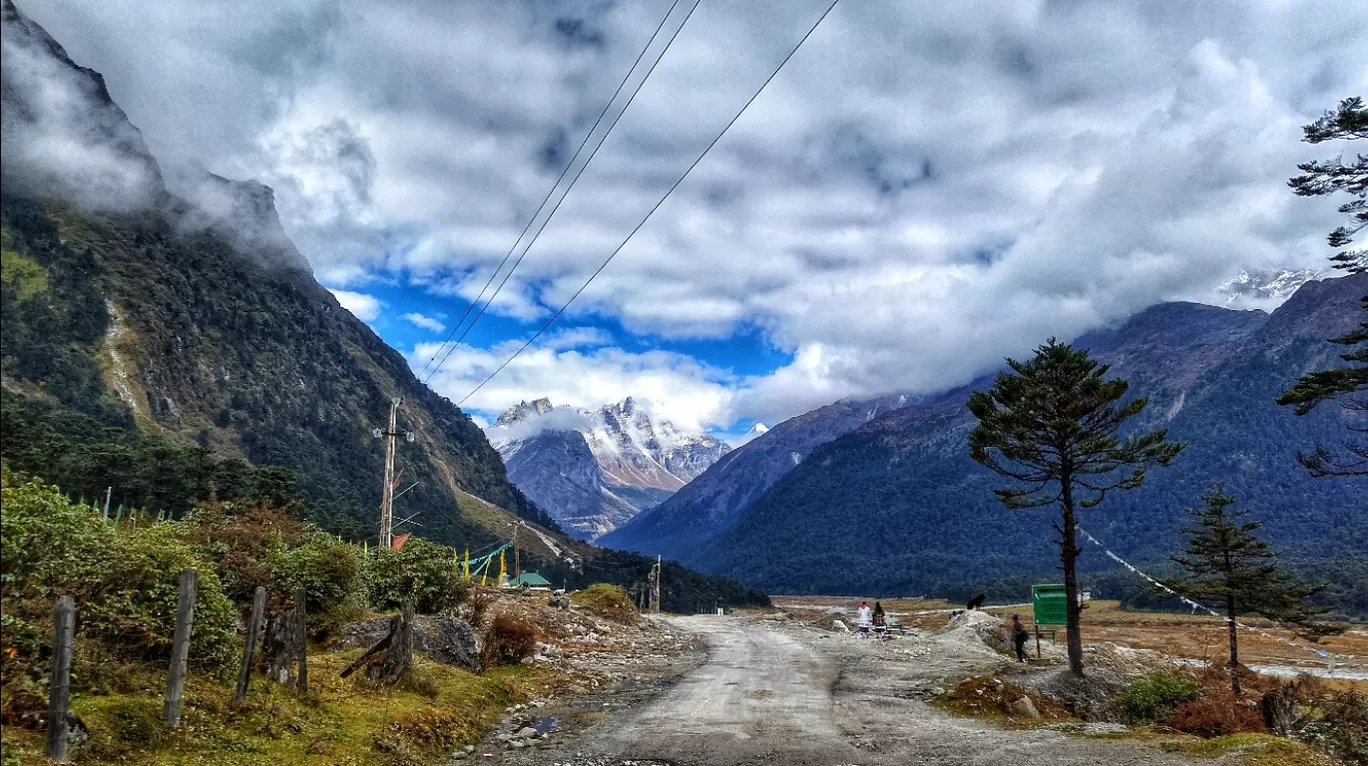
(771, 693)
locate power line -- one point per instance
(578, 173)
(652, 211)
(552, 190)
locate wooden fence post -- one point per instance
(59, 694)
(248, 652)
(303, 640)
(180, 647)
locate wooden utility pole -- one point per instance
(387, 496)
(59, 693)
(654, 587)
(180, 647)
(517, 562)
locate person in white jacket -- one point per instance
(866, 615)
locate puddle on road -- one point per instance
(545, 724)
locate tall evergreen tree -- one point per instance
(1349, 122)
(1347, 385)
(1225, 561)
(1052, 425)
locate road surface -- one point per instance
(768, 696)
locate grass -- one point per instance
(341, 721)
(1250, 750)
(607, 601)
(27, 276)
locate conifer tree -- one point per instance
(1225, 561)
(1052, 425)
(1347, 385)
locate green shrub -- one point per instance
(607, 601)
(327, 570)
(48, 546)
(135, 606)
(422, 570)
(1156, 697)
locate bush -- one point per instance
(327, 570)
(48, 548)
(507, 641)
(1342, 728)
(1156, 697)
(241, 541)
(134, 609)
(423, 571)
(608, 601)
(1217, 714)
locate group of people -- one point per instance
(877, 619)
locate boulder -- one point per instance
(839, 626)
(443, 637)
(1024, 708)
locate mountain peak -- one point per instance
(595, 469)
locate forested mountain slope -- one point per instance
(713, 501)
(125, 307)
(898, 506)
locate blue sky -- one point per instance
(926, 187)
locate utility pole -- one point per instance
(517, 562)
(653, 587)
(387, 498)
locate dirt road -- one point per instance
(776, 694)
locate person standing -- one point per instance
(1019, 637)
(880, 620)
(865, 617)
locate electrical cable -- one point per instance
(643, 221)
(552, 190)
(578, 173)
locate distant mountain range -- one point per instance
(594, 470)
(881, 496)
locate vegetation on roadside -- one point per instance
(608, 601)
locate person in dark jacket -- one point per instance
(1019, 637)
(880, 620)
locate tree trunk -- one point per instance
(1068, 548)
(1234, 644)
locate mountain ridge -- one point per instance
(595, 469)
(902, 490)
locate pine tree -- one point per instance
(1226, 562)
(1053, 427)
(1349, 122)
(1348, 384)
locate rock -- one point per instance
(458, 755)
(1025, 708)
(839, 626)
(526, 731)
(318, 748)
(443, 637)
(559, 600)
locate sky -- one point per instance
(924, 189)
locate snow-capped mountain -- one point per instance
(594, 470)
(1266, 285)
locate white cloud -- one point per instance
(691, 395)
(425, 322)
(921, 192)
(362, 306)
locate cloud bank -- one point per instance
(924, 190)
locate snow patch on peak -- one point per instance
(1265, 288)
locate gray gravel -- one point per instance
(775, 693)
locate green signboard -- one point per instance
(1051, 604)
